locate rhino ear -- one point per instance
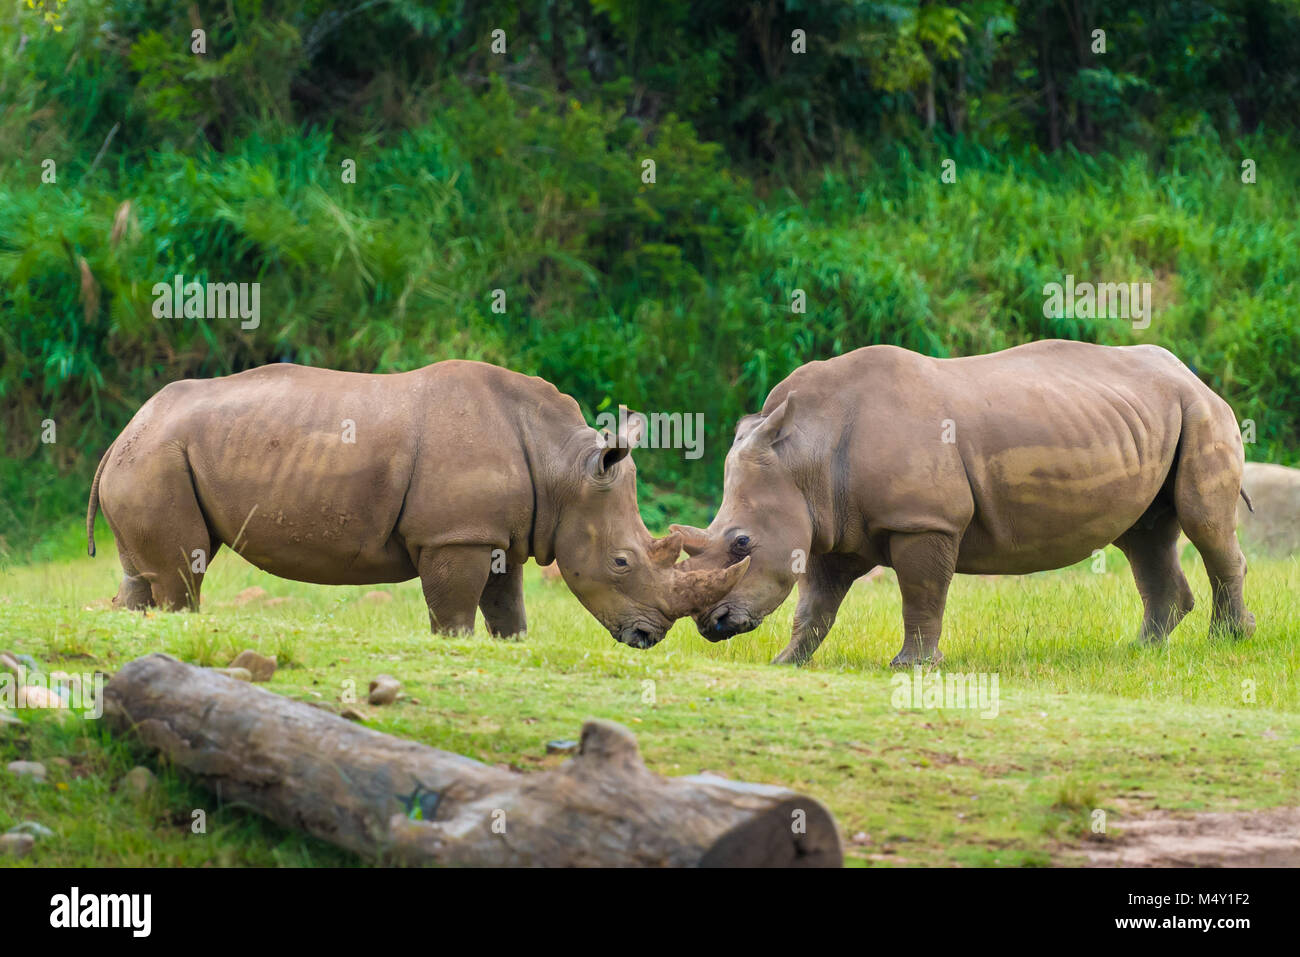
(694, 540)
(612, 451)
(632, 431)
(768, 432)
(663, 552)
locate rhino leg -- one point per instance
(503, 603)
(924, 563)
(1206, 487)
(163, 540)
(1152, 553)
(134, 594)
(821, 592)
(453, 577)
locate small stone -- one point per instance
(139, 780)
(27, 769)
(259, 667)
(16, 845)
(249, 595)
(384, 689)
(354, 714)
(561, 747)
(32, 829)
(377, 597)
(239, 674)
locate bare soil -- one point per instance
(1268, 838)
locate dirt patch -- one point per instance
(1269, 838)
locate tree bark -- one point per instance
(397, 801)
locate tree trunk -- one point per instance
(394, 800)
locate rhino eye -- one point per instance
(741, 544)
(621, 562)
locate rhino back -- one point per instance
(1036, 455)
(319, 475)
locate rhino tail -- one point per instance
(93, 507)
(1249, 504)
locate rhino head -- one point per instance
(624, 576)
(763, 526)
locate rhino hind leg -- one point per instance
(135, 593)
(1206, 488)
(453, 578)
(925, 563)
(164, 550)
(1151, 548)
(502, 603)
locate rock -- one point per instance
(239, 674)
(377, 597)
(260, 667)
(1274, 527)
(139, 780)
(354, 714)
(16, 845)
(34, 696)
(561, 747)
(32, 829)
(249, 595)
(384, 689)
(27, 769)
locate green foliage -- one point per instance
(775, 171)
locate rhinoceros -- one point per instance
(1014, 462)
(456, 473)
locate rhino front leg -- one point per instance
(503, 603)
(453, 578)
(924, 563)
(821, 592)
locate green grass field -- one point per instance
(1084, 720)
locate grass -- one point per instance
(1084, 721)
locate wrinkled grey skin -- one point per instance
(1056, 449)
(459, 473)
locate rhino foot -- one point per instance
(908, 659)
(1234, 630)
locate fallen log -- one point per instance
(397, 801)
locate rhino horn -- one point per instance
(663, 552)
(692, 591)
(694, 540)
